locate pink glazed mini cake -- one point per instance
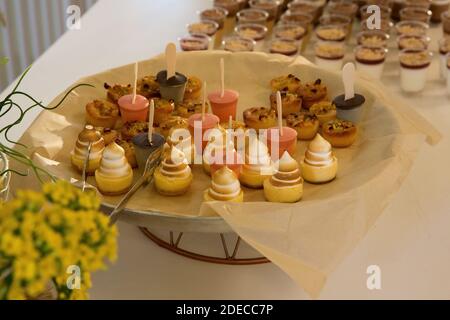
(225, 106)
(137, 111)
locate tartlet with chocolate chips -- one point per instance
(339, 133)
(260, 118)
(324, 111)
(285, 83)
(132, 129)
(193, 89)
(148, 87)
(187, 108)
(313, 92)
(305, 123)
(102, 113)
(117, 91)
(290, 102)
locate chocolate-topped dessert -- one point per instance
(370, 55)
(144, 149)
(335, 19)
(215, 14)
(193, 43)
(232, 6)
(413, 42)
(289, 31)
(415, 14)
(385, 25)
(372, 38)
(438, 7)
(331, 33)
(412, 59)
(286, 47)
(412, 28)
(238, 44)
(329, 50)
(253, 31)
(252, 16)
(445, 17)
(299, 18)
(347, 9)
(205, 27)
(271, 7)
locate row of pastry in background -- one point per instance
(287, 27)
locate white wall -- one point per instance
(31, 27)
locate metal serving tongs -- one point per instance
(83, 185)
(152, 162)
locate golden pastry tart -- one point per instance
(163, 109)
(132, 129)
(129, 152)
(187, 108)
(339, 133)
(102, 113)
(109, 135)
(312, 92)
(148, 87)
(260, 118)
(324, 110)
(285, 83)
(193, 89)
(173, 122)
(290, 102)
(117, 91)
(305, 123)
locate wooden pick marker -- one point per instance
(348, 78)
(280, 112)
(222, 78)
(204, 101)
(171, 59)
(135, 82)
(151, 120)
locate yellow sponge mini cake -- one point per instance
(174, 176)
(225, 186)
(319, 164)
(286, 185)
(115, 176)
(258, 165)
(80, 152)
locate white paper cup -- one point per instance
(329, 64)
(413, 76)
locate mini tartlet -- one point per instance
(313, 92)
(193, 89)
(117, 91)
(340, 133)
(132, 129)
(225, 186)
(80, 152)
(305, 123)
(290, 102)
(324, 111)
(285, 83)
(102, 113)
(173, 177)
(163, 110)
(173, 122)
(130, 153)
(187, 108)
(286, 185)
(260, 118)
(148, 87)
(319, 164)
(109, 135)
(114, 176)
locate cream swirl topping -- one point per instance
(89, 135)
(225, 185)
(319, 152)
(114, 163)
(288, 172)
(258, 158)
(175, 164)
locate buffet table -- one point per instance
(409, 242)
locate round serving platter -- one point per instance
(248, 73)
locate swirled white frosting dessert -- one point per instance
(173, 176)
(258, 165)
(80, 152)
(319, 165)
(225, 186)
(216, 150)
(286, 185)
(114, 176)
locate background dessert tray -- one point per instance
(306, 239)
